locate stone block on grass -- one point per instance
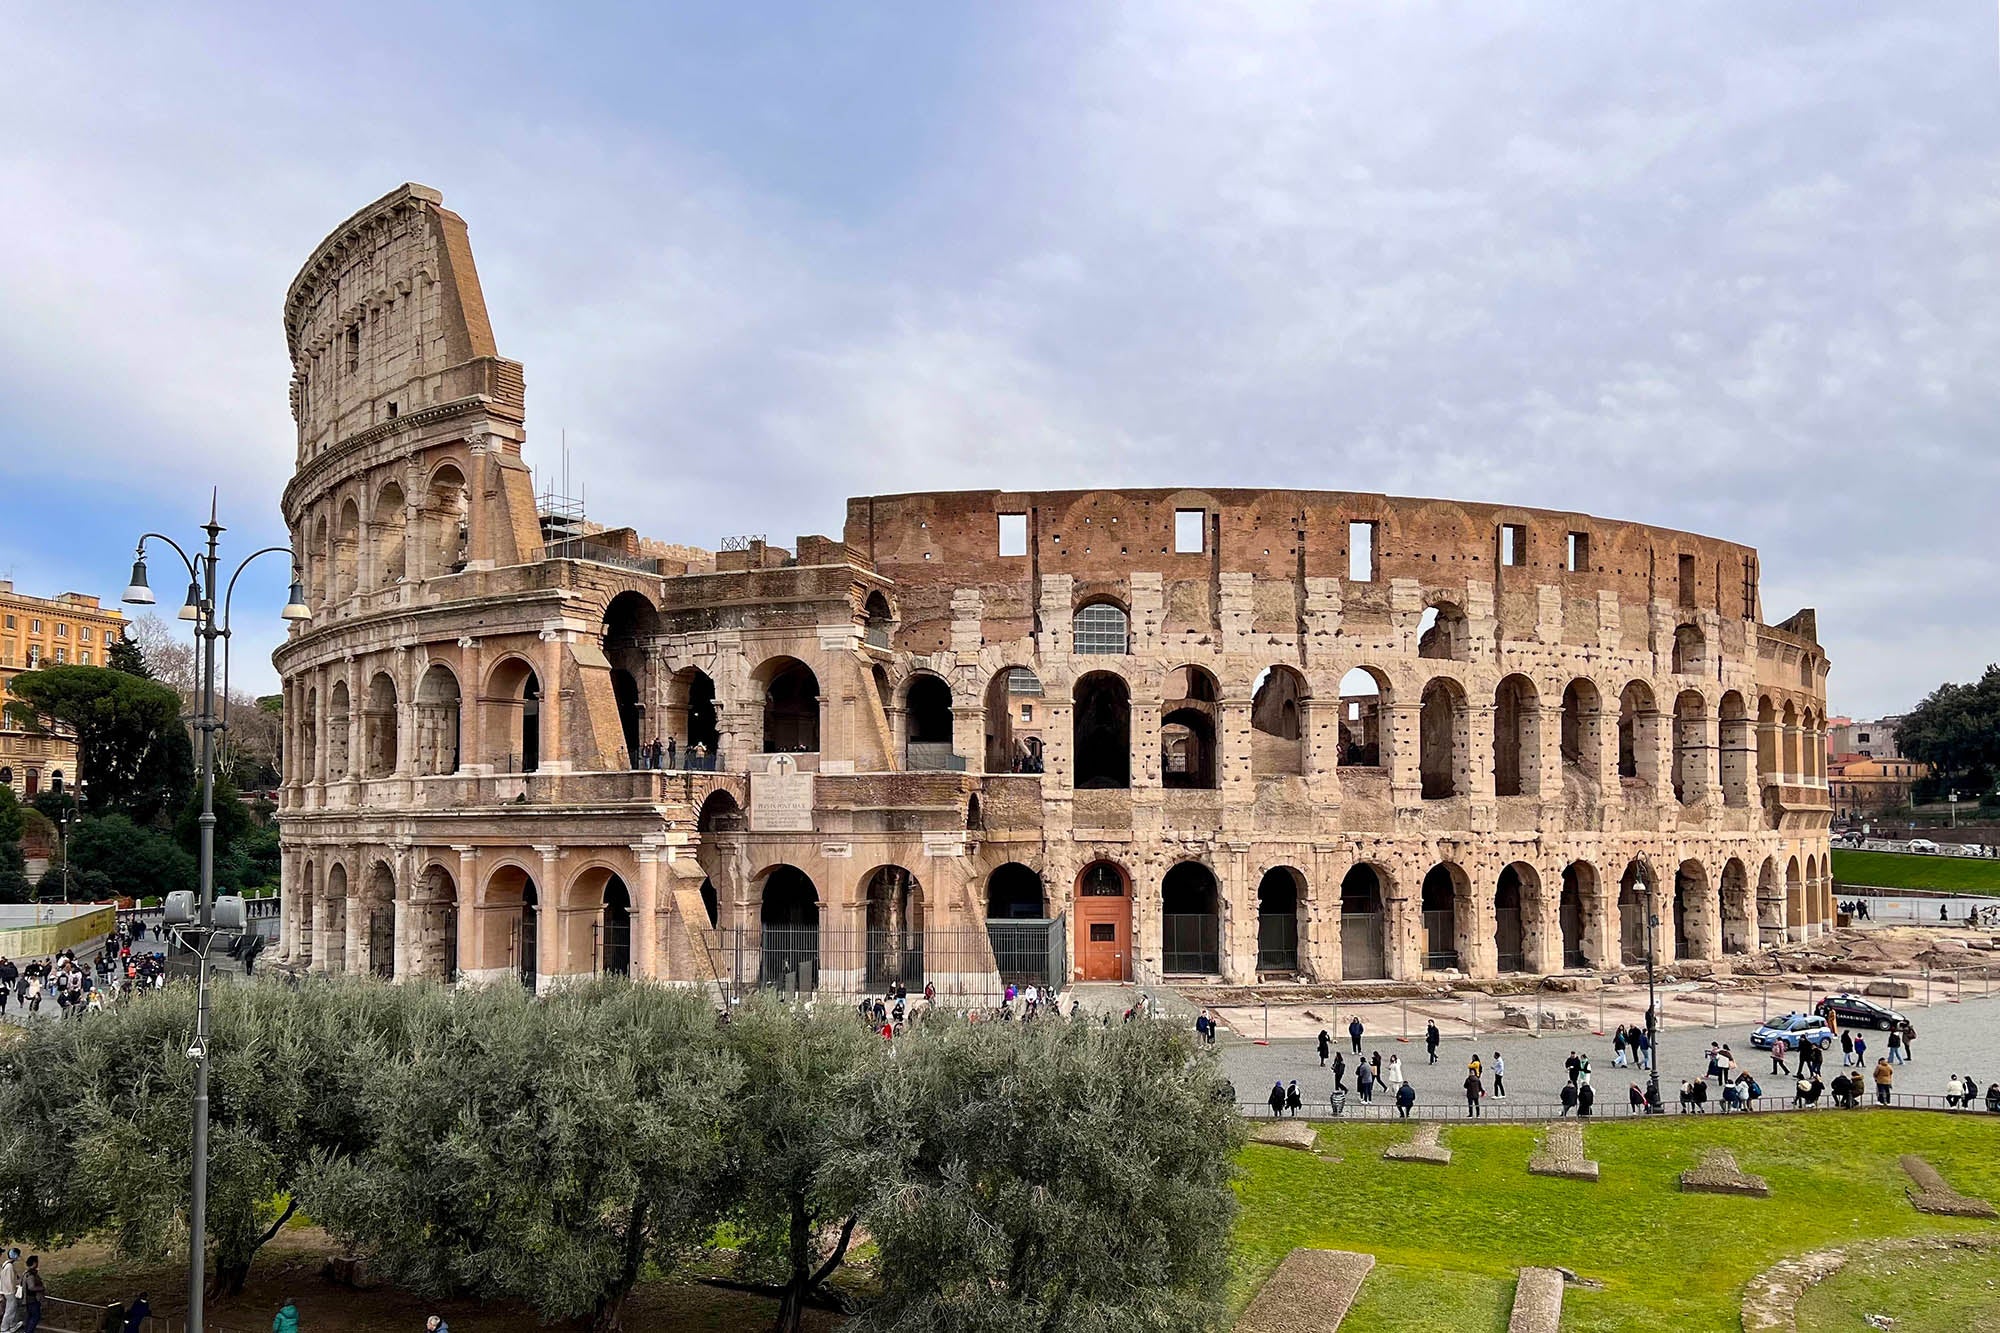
(1309, 1293)
(1560, 1154)
(1717, 1173)
(1298, 1134)
(1424, 1147)
(1538, 1302)
(1930, 1193)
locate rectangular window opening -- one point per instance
(1687, 580)
(1027, 713)
(1361, 552)
(1190, 531)
(1013, 534)
(1578, 559)
(1513, 544)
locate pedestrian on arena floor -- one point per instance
(1325, 1046)
(1572, 1065)
(1364, 1081)
(1431, 1036)
(1861, 1052)
(1586, 1097)
(1292, 1099)
(287, 1318)
(1474, 1091)
(1885, 1081)
(1895, 1047)
(1954, 1089)
(1375, 1064)
(1778, 1049)
(137, 1313)
(1568, 1098)
(1406, 1097)
(10, 1288)
(1277, 1097)
(1499, 1076)
(1909, 1034)
(1339, 1071)
(1394, 1076)
(1618, 1048)
(1354, 1031)
(1583, 1069)
(1473, 1066)
(1635, 1098)
(1846, 1049)
(32, 1291)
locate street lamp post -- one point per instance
(1653, 1103)
(200, 608)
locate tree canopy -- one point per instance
(131, 742)
(133, 862)
(1956, 730)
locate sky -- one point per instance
(1723, 267)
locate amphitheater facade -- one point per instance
(986, 735)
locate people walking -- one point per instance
(287, 1318)
(1909, 1035)
(1574, 1066)
(1885, 1081)
(1292, 1099)
(10, 1286)
(1277, 1098)
(1586, 1097)
(1618, 1048)
(1431, 1036)
(1568, 1098)
(1895, 1047)
(1364, 1081)
(1394, 1076)
(1325, 1047)
(1846, 1049)
(1474, 1091)
(1860, 1052)
(33, 1289)
(1778, 1049)
(1499, 1076)
(1339, 1072)
(1354, 1031)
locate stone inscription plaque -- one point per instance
(781, 802)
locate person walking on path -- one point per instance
(10, 1285)
(1394, 1078)
(1325, 1047)
(1339, 1072)
(1292, 1099)
(287, 1318)
(1909, 1040)
(1277, 1097)
(1364, 1081)
(1586, 1096)
(1499, 1076)
(1406, 1097)
(1474, 1090)
(33, 1289)
(1778, 1065)
(1846, 1049)
(1354, 1031)
(1431, 1036)
(1618, 1048)
(1568, 1098)
(1375, 1064)
(1861, 1052)
(1895, 1047)
(1885, 1081)
(1573, 1066)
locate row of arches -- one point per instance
(376, 542)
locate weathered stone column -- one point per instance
(470, 958)
(645, 948)
(550, 959)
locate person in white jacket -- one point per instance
(1393, 1076)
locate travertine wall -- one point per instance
(1597, 706)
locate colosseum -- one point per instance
(987, 736)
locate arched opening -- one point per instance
(379, 939)
(1014, 721)
(711, 902)
(1103, 923)
(320, 566)
(1767, 741)
(339, 727)
(330, 939)
(378, 726)
(1635, 909)
(514, 712)
(446, 512)
(347, 551)
(1638, 737)
(1190, 920)
(1510, 917)
(1101, 723)
(895, 928)
(1187, 729)
(878, 620)
(1277, 723)
(1443, 887)
(1576, 912)
(1278, 895)
(789, 915)
(434, 909)
(791, 706)
(1770, 902)
(1363, 956)
(1014, 893)
(1583, 729)
(1795, 901)
(438, 712)
(1363, 695)
(1690, 651)
(1442, 633)
(719, 814)
(602, 899)
(927, 713)
(630, 625)
(1517, 738)
(1102, 629)
(299, 904)
(1691, 761)
(1692, 933)
(1739, 749)
(693, 740)
(1027, 945)
(391, 512)
(1442, 754)
(1789, 736)
(308, 749)
(1738, 913)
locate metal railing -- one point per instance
(582, 548)
(1384, 1107)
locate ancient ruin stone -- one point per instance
(1933, 1195)
(1538, 1302)
(1310, 1292)
(1423, 1147)
(1560, 1153)
(1286, 1133)
(1717, 1173)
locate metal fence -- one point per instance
(963, 963)
(1278, 942)
(1030, 952)
(1617, 1107)
(1191, 943)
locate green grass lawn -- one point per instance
(1923, 1294)
(1896, 870)
(1448, 1240)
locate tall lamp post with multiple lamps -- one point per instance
(1653, 1103)
(71, 811)
(194, 919)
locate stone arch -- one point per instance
(388, 527)
(1736, 737)
(1014, 892)
(1189, 702)
(790, 693)
(1738, 912)
(347, 550)
(444, 521)
(1014, 740)
(1101, 627)
(320, 565)
(878, 619)
(720, 814)
(895, 920)
(375, 931)
(379, 727)
(510, 925)
(1795, 900)
(1364, 702)
(1103, 901)
(1190, 919)
(1636, 888)
(631, 623)
(1580, 915)
(434, 924)
(438, 714)
(1691, 754)
(927, 719)
(1770, 902)
(1694, 929)
(1517, 735)
(1516, 917)
(339, 728)
(1788, 720)
(1278, 740)
(1767, 739)
(1446, 895)
(1281, 897)
(1583, 728)
(1443, 633)
(300, 905)
(1638, 736)
(1443, 750)
(691, 721)
(512, 702)
(789, 916)
(1690, 651)
(596, 921)
(1101, 726)
(1364, 952)
(331, 938)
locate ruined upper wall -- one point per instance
(387, 319)
(1286, 540)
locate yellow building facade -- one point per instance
(70, 629)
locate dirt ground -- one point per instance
(289, 1268)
